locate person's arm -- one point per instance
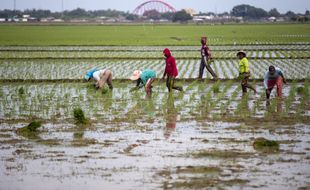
(174, 67)
(138, 85)
(164, 75)
(246, 66)
(209, 53)
(281, 74)
(266, 81)
(204, 54)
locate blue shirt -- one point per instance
(90, 73)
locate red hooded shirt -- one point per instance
(171, 67)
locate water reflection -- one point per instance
(171, 117)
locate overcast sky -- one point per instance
(129, 5)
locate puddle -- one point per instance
(190, 140)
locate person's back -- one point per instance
(147, 74)
(244, 66)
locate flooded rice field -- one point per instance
(59, 133)
(202, 138)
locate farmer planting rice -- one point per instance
(144, 78)
(205, 59)
(171, 71)
(274, 77)
(244, 72)
(100, 76)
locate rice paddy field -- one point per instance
(209, 136)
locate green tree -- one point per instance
(274, 12)
(248, 11)
(181, 16)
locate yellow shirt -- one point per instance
(244, 65)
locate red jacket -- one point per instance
(171, 67)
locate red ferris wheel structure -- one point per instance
(157, 5)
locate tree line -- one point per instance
(248, 12)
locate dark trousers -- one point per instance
(203, 64)
(170, 84)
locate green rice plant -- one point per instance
(216, 87)
(30, 131)
(265, 145)
(300, 90)
(79, 116)
(232, 98)
(104, 90)
(270, 107)
(243, 109)
(220, 95)
(304, 98)
(192, 85)
(291, 97)
(223, 69)
(21, 91)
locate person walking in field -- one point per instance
(144, 79)
(100, 76)
(206, 59)
(244, 72)
(171, 71)
(274, 77)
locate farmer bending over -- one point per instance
(205, 59)
(100, 76)
(144, 78)
(244, 72)
(171, 71)
(274, 77)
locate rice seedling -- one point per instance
(31, 130)
(265, 145)
(79, 117)
(291, 97)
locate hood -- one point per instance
(167, 52)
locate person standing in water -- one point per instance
(171, 71)
(244, 72)
(206, 59)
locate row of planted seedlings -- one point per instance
(199, 100)
(148, 55)
(188, 68)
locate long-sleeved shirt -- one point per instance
(244, 66)
(171, 67)
(269, 76)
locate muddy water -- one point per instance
(198, 139)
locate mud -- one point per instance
(198, 139)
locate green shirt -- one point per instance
(244, 65)
(146, 75)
